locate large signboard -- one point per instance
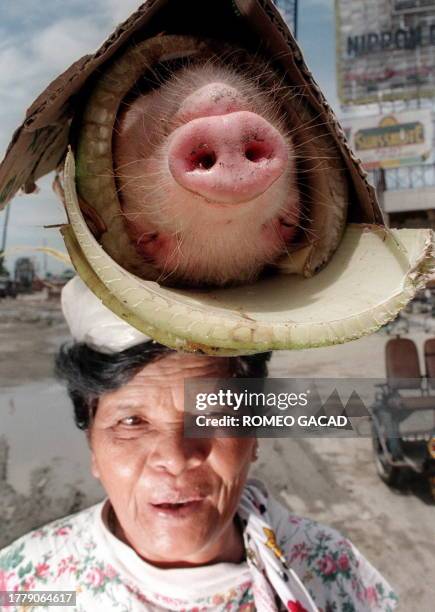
(391, 141)
(412, 6)
(385, 50)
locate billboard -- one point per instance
(412, 6)
(391, 141)
(385, 50)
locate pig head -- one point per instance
(218, 168)
(206, 172)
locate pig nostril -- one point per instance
(207, 161)
(202, 161)
(257, 152)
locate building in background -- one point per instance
(386, 86)
(385, 50)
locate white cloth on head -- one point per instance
(93, 323)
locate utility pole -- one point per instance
(4, 238)
(45, 259)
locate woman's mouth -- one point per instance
(177, 510)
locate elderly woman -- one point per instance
(182, 528)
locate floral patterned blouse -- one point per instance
(80, 553)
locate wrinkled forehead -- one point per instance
(162, 384)
(177, 367)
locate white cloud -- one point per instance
(28, 64)
(119, 11)
(25, 70)
(65, 41)
(30, 58)
(26, 67)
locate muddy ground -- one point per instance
(44, 459)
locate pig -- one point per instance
(205, 167)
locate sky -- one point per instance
(38, 40)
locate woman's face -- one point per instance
(174, 498)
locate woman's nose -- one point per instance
(175, 454)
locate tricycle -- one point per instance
(403, 415)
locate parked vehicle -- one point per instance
(24, 274)
(403, 415)
(7, 287)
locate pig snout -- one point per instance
(206, 173)
(228, 158)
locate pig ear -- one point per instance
(324, 193)
(370, 278)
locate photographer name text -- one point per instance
(276, 420)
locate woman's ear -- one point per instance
(255, 451)
(94, 466)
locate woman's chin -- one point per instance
(175, 534)
(176, 548)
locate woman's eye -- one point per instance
(132, 421)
